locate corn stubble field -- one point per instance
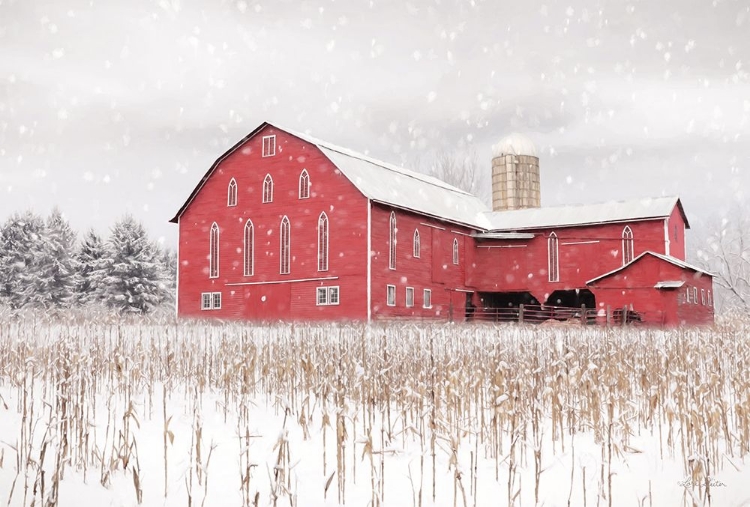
(196, 414)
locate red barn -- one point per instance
(284, 226)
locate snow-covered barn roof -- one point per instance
(389, 184)
(667, 258)
(584, 214)
(385, 183)
(394, 186)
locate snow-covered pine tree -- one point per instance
(133, 275)
(55, 269)
(20, 248)
(92, 259)
(168, 260)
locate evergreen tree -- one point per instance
(168, 258)
(20, 252)
(133, 274)
(92, 267)
(55, 268)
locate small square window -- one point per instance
(206, 301)
(269, 146)
(217, 300)
(391, 295)
(333, 295)
(410, 296)
(322, 296)
(427, 298)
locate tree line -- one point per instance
(44, 266)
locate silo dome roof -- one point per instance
(514, 144)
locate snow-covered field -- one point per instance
(407, 415)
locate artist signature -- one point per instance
(709, 482)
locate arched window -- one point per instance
(213, 252)
(284, 248)
(249, 248)
(232, 193)
(553, 258)
(323, 242)
(304, 185)
(392, 243)
(417, 244)
(455, 251)
(268, 189)
(627, 245)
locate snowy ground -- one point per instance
(98, 430)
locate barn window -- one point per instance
(417, 245)
(710, 298)
(427, 296)
(232, 193)
(304, 185)
(390, 295)
(327, 296)
(268, 189)
(627, 245)
(323, 242)
(455, 251)
(211, 301)
(703, 297)
(553, 260)
(392, 242)
(249, 248)
(213, 252)
(285, 247)
(687, 295)
(695, 295)
(269, 146)
(410, 296)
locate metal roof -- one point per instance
(585, 214)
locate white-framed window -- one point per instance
(427, 298)
(695, 295)
(284, 246)
(213, 251)
(703, 297)
(392, 242)
(627, 245)
(417, 244)
(410, 296)
(553, 258)
(304, 185)
(232, 193)
(687, 295)
(390, 295)
(269, 146)
(211, 301)
(455, 250)
(249, 253)
(323, 242)
(268, 188)
(326, 296)
(710, 298)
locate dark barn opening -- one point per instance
(503, 306)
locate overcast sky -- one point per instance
(108, 106)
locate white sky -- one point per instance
(121, 105)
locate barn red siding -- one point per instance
(634, 288)
(433, 270)
(330, 192)
(676, 231)
(584, 253)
